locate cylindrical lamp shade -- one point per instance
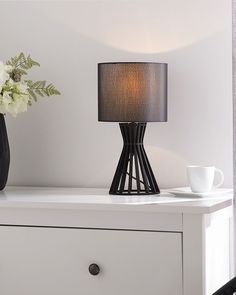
(132, 92)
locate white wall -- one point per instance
(59, 141)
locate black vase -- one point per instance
(4, 153)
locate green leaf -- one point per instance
(39, 92)
(39, 84)
(22, 62)
(46, 90)
(22, 72)
(32, 94)
(40, 88)
(33, 62)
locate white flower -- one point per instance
(11, 82)
(4, 76)
(19, 102)
(6, 97)
(5, 100)
(22, 87)
(8, 68)
(18, 106)
(2, 106)
(14, 102)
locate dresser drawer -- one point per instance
(55, 261)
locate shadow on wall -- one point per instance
(172, 162)
(60, 143)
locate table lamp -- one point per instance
(133, 93)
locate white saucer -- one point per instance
(186, 192)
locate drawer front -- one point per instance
(55, 261)
(107, 219)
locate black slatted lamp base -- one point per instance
(134, 174)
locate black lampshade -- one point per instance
(132, 92)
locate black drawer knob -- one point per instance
(94, 269)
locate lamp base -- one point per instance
(133, 174)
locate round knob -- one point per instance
(94, 269)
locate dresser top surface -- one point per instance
(99, 199)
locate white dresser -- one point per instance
(83, 241)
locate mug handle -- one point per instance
(222, 177)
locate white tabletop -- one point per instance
(99, 199)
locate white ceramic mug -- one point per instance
(201, 178)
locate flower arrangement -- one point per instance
(16, 93)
